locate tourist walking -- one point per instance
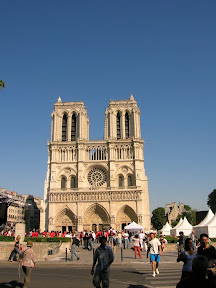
(73, 245)
(16, 249)
(155, 253)
(136, 242)
(104, 257)
(27, 260)
(187, 256)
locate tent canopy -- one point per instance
(133, 227)
(166, 229)
(207, 219)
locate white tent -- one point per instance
(172, 231)
(166, 229)
(209, 228)
(185, 227)
(133, 227)
(199, 228)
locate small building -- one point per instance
(172, 211)
(15, 207)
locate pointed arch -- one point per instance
(65, 217)
(96, 214)
(125, 215)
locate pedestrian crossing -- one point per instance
(168, 278)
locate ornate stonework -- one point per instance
(96, 184)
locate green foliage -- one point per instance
(212, 201)
(157, 217)
(7, 238)
(190, 215)
(171, 239)
(187, 207)
(47, 239)
(36, 239)
(2, 84)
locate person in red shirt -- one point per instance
(44, 233)
(33, 234)
(36, 234)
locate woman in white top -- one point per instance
(136, 245)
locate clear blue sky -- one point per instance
(163, 52)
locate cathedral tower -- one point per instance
(92, 185)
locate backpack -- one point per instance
(77, 242)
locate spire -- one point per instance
(59, 100)
(131, 97)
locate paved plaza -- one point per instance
(129, 273)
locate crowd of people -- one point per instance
(198, 257)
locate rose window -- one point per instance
(96, 177)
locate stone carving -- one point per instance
(96, 177)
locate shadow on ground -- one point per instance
(11, 284)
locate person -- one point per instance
(27, 260)
(193, 237)
(136, 241)
(181, 240)
(141, 238)
(16, 249)
(86, 240)
(208, 251)
(73, 245)
(104, 257)
(198, 276)
(187, 256)
(90, 241)
(126, 239)
(155, 253)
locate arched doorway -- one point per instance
(125, 216)
(96, 218)
(66, 221)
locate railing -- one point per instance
(94, 151)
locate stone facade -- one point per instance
(95, 184)
(172, 211)
(16, 207)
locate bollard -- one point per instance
(121, 254)
(66, 255)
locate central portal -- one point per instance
(96, 218)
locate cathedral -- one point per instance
(92, 185)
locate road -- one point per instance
(138, 275)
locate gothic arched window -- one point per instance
(126, 125)
(121, 181)
(64, 128)
(73, 128)
(118, 124)
(73, 182)
(130, 183)
(63, 182)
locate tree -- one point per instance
(187, 207)
(190, 215)
(2, 84)
(157, 217)
(212, 201)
